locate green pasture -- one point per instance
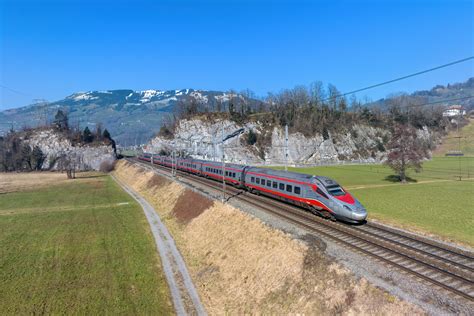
(434, 200)
(80, 248)
(462, 140)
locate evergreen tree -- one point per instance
(61, 121)
(251, 137)
(106, 134)
(37, 158)
(87, 135)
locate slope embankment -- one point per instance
(240, 265)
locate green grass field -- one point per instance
(464, 141)
(83, 247)
(435, 202)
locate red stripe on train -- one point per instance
(291, 197)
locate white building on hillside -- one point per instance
(454, 110)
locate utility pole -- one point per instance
(214, 147)
(459, 143)
(286, 147)
(223, 166)
(173, 163)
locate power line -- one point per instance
(14, 91)
(401, 78)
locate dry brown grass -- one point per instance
(241, 266)
(190, 205)
(14, 182)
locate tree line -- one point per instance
(310, 110)
(323, 110)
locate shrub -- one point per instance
(107, 165)
(251, 138)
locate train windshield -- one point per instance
(335, 190)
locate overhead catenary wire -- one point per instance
(400, 78)
(15, 91)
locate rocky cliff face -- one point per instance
(201, 139)
(54, 145)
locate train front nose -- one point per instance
(359, 213)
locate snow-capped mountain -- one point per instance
(131, 116)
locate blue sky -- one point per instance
(50, 49)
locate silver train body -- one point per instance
(321, 195)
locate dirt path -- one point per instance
(185, 297)
(359, 187)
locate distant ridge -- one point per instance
(458, 92)
(132, 117)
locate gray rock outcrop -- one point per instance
(54, 145)
(201, 139)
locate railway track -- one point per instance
(447, 267)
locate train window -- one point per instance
(336, 190)
(234, 175)
(275, 184)
(289, 188)
(227, 173)
(297, 190)
(252, 179)
(258, 180)
(282, 186)
(263, 181)
(318, 190)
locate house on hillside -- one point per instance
(454, 110)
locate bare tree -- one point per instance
(405, 151)
(69, 162)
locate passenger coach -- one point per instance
(321, 195)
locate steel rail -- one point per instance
(357, 240)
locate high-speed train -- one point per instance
(321, 195)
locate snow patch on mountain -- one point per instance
(198, 96)
(82, 96)
(147, 95)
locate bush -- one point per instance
(325, 133)
(251, 138)
(165, 132)
(380, 146)
(107, 165)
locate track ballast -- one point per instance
(444, 266)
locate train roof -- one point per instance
(219, 164)
(282, 173)
(326, 181)
(303, 177)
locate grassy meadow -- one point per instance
(465, 143)
(77, 247)
(434, 201)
